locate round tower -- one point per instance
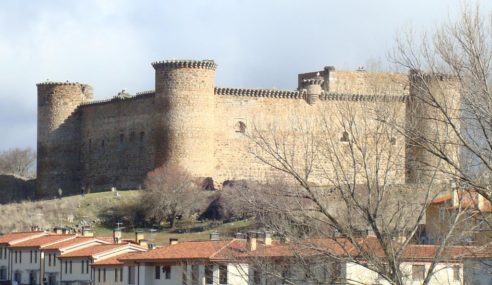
(185, 106)
(427, 128)
(59, 136)
(313, 88)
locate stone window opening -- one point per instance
(240, 127)
(418, 272)
(345, 137)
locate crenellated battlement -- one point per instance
(204, 64)
(59, 83)
(270, 93)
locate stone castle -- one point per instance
(187, 119)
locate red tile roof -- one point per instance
(11, 238)
(114, 260)
(72, 242)
(96, 249)
(467, 200)
(43, 241)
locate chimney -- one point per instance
(117, 235)
(173, 241)
(480, 202)
(87, 232)
(251, 241)
(268, 239)
(139, 235)
(143, 243)
(65, 231)
(214, 236)
(35, 228)
(58, 230)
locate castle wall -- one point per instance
(117, 149)
(294, 121)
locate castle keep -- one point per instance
(187, 119)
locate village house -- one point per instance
(473, 212)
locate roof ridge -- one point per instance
(227, 244)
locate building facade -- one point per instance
(188, 120)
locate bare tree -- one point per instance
(170, 193)
(458, 56)
(19, 162)
(340, 172)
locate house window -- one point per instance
(35, 256)
(194, 274)
(345, 137)
(116, 275)
(31, 257)
(222, 274)
(49, 259)
(66, 266)
(456, 273)
(257, 277)
(99, 275)
(131, 275)
(20, 256)
(82, 266)
(442, 215)
(87, 266)
(3, 273)
(70, 267)
(104, 274)
(121, 274)
(240, 127)
(166, 270)
(209, 274)
(54, 259)
(5, 253)
(285, 274)
(157, 272)
(418, 272)
(185, 274)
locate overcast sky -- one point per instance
(256, 43)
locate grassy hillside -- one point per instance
(91, 209)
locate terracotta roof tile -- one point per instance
(115, 260)
(43, 241)
(11, 238)
(467, 200)
(96, 249)
(72, 242)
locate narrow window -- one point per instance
(54, 259)
(82, 266)
(223, 274)
(20, 256)
(157, 272)
(418, 272)
(257, 277)
(66, 266)
(104, 274)
(90, 144)
(166, 269)
(121, 274)
(5, 254)
(240, 127)
(456, 273)
(15, 256)
(70, 267)
(116, 275)
(1, 252)
(35, 256)
(442, 215)
(285, 274)
(194, 274)
(345, 137)
(185, 274)
(99, 275)
(131, 275)
(87, 266)
(49, 259)
(209, 274)
(31, 257)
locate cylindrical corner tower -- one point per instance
(58, 160)
(313, 88)
(427, 129)
(185, 107)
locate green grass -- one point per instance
(90, 208)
